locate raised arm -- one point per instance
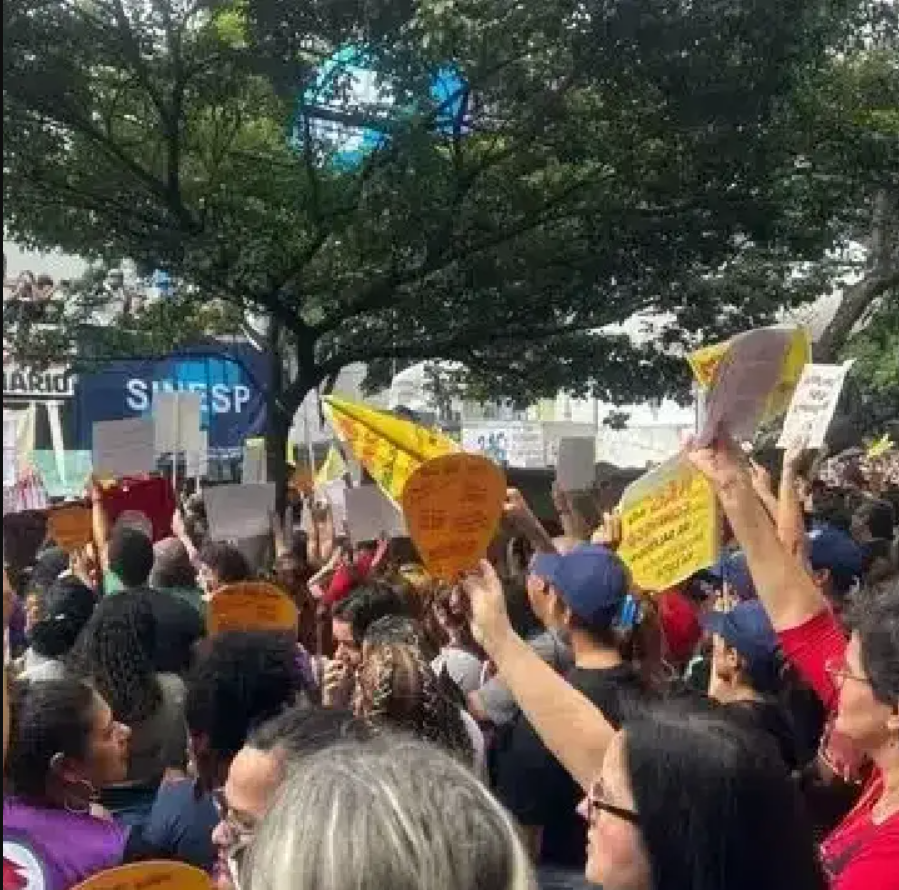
(100, 523)
(519, 515)
(787, 591)
(569, 725)
(790, 516)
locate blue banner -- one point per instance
(231, 380)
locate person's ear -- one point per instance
(65, 769)
(893, 722)
(733, 659)
(821, 577)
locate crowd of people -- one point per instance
(540, 723)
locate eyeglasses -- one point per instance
(839, 672)
(596, 804)
(241, 834)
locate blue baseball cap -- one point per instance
(834, 550)
(733, 569)
(592, 581)
(748, 629)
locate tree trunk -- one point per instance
(882, 275)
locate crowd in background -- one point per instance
(539, 724)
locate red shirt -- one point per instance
(857, 855)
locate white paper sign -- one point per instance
(370, 513)
(253, 471)
(814, 402)
(514, 443)
(124, 447)
(747, 376)
(239, 512)
(10, 470)
(576, 465)
(196, 455)
(177, 416)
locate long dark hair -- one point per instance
(717, 809)
(114, 652)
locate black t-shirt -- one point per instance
(535, 787)
(770, 718)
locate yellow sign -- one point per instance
(70, 526)
(453, 505)
(705, 362)
(669, 525)
(149, 876)
(250, 605)
(389, 447)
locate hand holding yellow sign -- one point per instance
(146, 875)
(453, 505)
(251, 605)
(669, 525)
(70, 526)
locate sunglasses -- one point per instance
(241, 835)
(596, 804)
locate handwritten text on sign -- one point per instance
(669, 525)
(251, 605)
(813, 405)
(453, 505)
(70, 526)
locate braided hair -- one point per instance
(114, 652)
(399, 691)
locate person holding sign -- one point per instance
(65, 746)
(586, 593)
(671, 794)
(856, 679)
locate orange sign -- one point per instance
(453, 505)
(149, 876)
(70, 526)
(250, 605)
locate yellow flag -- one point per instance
(704, 363)
(332, 469)
(389, 447)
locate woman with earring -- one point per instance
(64, 747)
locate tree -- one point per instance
(586, 163)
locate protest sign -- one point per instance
(669, 525)
(453, 505)
(10, 467)
(389, 447)
(238, 512)
(813, 405)
(253, 469)
(250, 605)
(177, 420)
(576, 464)
(706, 363)
(124, 447)
(370, 514)
(149, 876)
(511, 443)
(744, 382)
(196, 456)
(70, 526)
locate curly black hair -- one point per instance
(48, 717)
(67, 606)
(242, 679)
(114, 652)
